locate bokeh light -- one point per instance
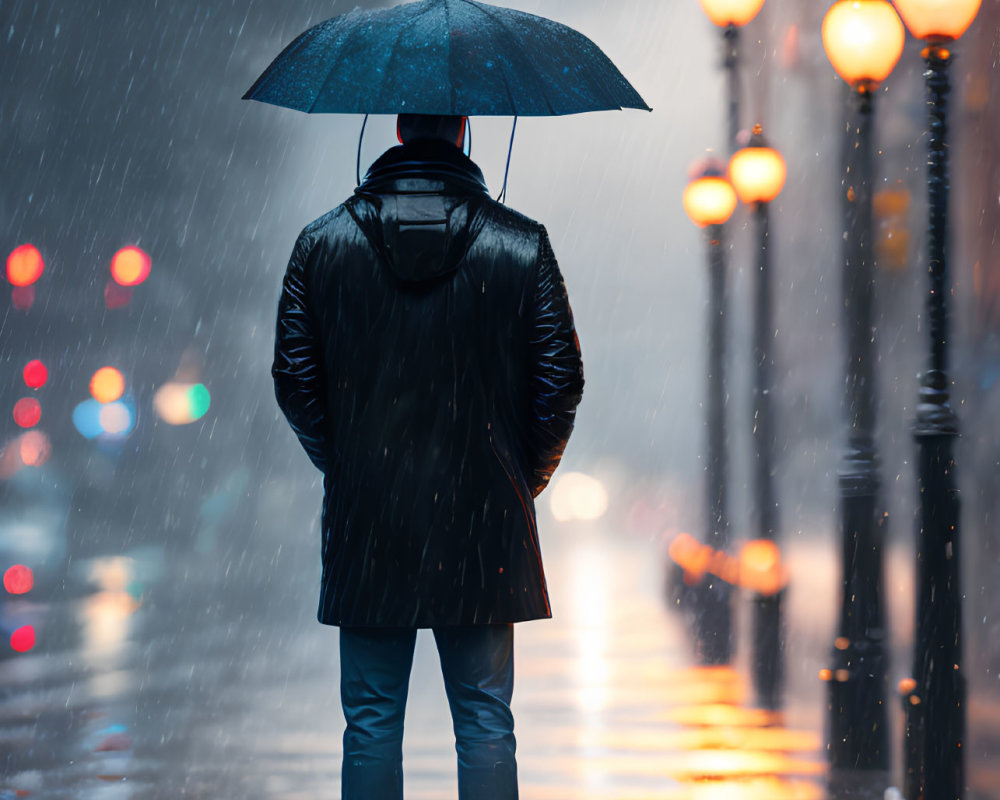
(34, 448)
(181, 403)
(863, 40)
(115, 419)
(23, 639)
(199, 400)
(87, 419)
(709, 200)
(35, 374)
(22, 297)
(18, 579)
(731, 12)
(116, 296)
(24, 265)
(27, 412)
(130, 266)
(107, 385)
(761, 567)
(10, 459)
(577, 496)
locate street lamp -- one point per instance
(863, 40)
(731, 15)
(709, 201)
(757, 172)
(935, 720)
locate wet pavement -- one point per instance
(162, 672)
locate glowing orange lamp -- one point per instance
(863, 40)
(731, 12)
(938, 20)
(757, 172)
(709, 198)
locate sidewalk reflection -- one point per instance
(724, 749)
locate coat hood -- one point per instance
(417, 206)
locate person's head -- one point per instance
(410, 127)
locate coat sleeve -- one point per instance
(298, 366)
(556, 370)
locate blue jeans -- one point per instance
(477, 662)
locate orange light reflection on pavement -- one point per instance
(726, 750)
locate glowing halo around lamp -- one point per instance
(731, 12)
(107, 385)
(757, 172)
(709, 199)
(24, 265)
(130, 266)
(937, 20)
(863, 40)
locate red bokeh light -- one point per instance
(24, 265)
(22, 297)
(23, 639)
(18, 579)
(116, 296)
(35, 374)
(130, 266)
(27, 412)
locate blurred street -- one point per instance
(608, 702)
(156, 674)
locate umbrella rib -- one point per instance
(264, 79)
(611, 93)
(333, 72)
(333, 69)
(447, 60)
(403, 29)
(510, 35)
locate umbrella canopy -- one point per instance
(457, 57)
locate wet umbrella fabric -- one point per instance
(454, 57)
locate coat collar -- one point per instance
(423, 166)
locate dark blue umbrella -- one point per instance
(455, 57)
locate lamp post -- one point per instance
(706, 189)
(757, 173)
(731, 15)
(935, 703)
(863, 40)
(709, 201)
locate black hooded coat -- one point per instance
(426, 358)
